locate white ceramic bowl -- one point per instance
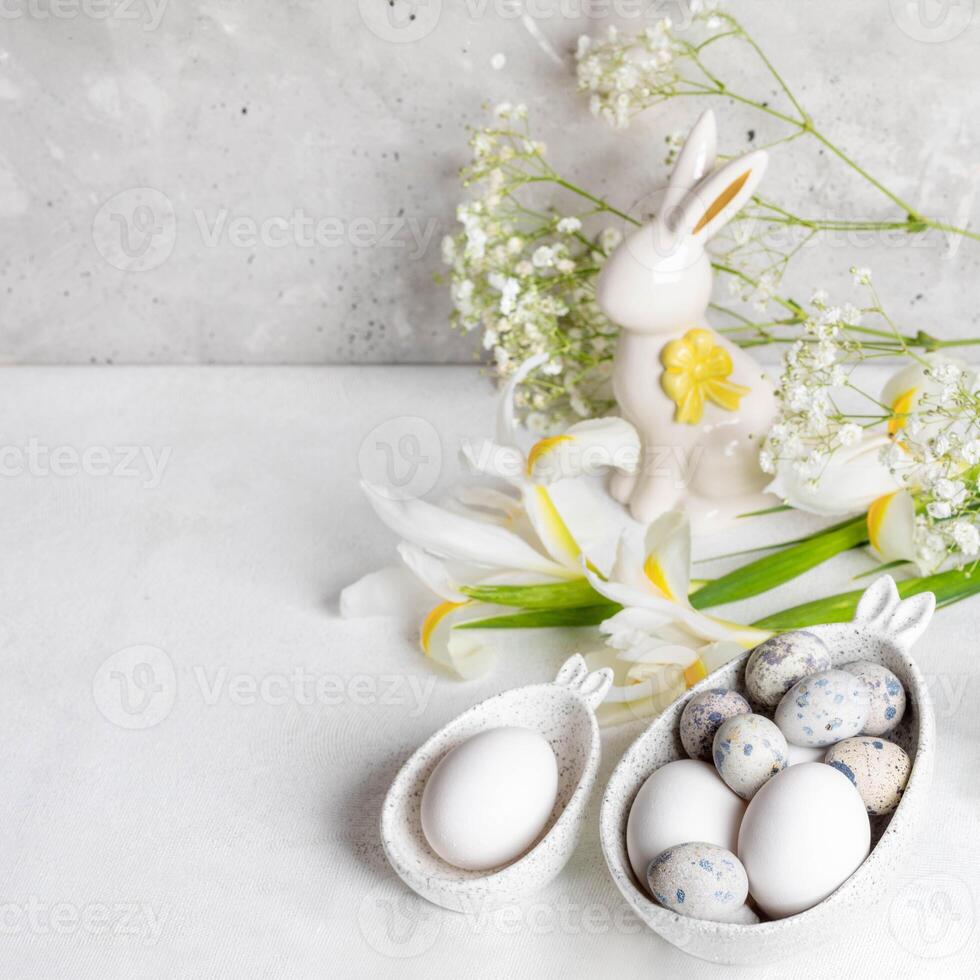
(883, 630)
(564, 713)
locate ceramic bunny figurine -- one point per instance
(701, 405)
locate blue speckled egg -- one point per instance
(748, 751)
(776, 665)
(703, 715)
(824, 708)
(699, 880)
(880, 770)
(887, 696)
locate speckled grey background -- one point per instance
(229, 114)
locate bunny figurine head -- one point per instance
(660, 276)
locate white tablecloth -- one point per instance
(215, 813)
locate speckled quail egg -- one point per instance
(880, 770)
(887, 696)
(776, 665)
(748, 751)
(704, 714)
(824, 708)
(699, 880)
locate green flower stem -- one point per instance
(949, 587)
(576, 603)
(915, 222)
(556, 595)
(545, 618)
(775, 569)
(554, 178)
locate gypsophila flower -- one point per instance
(967, 538)
(862, 275)
(523, 281)
(625, 76)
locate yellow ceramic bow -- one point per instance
(696, 368)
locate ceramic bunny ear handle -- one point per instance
(591, 687)
(700, 404)
(883, 611)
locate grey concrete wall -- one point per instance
(143, 143)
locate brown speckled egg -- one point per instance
(704, 714)
(879, 769)
(887, 696)
(776, 665)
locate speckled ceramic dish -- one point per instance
(883, 631)
(564, 713)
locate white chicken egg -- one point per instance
(803, 835)
(682, 801)
(488, 800)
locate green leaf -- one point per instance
(538, 618)
(766, 573)
(880, 569)
(550, 595)
(949, 587)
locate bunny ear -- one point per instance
(910, 619)
(875, 607)
(712, 203)
(696, 158)
(903, 620)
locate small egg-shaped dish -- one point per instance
(883, 630)
(563, 712)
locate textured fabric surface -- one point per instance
(195, 748)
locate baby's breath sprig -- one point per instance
(924, 427)
(522, 273)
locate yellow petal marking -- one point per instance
(432, 620)
(695, 369)
(654, 571)
(543, 446)
(555, 525)
(900, 408)
(876, 517)
(694, 673)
